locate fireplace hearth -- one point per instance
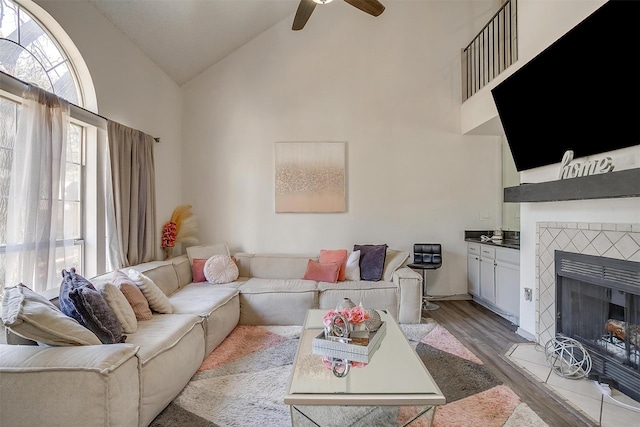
(598, 304)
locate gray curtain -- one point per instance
(133, 180)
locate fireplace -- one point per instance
(598, 304)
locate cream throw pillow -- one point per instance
(220, 269)
(32, 316)
(120, 306)
(392, 262)
(158, 301)
(352, 271)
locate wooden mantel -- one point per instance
(610, 185)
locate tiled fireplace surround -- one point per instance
(620, 241)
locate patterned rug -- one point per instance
(244, 380)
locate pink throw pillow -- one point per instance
(322, 272)
(335, 255)
(198, 270)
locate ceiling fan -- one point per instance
(372, 7)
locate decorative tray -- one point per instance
(348, 351)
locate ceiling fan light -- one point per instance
(323, 1)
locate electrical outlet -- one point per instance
(528, 294)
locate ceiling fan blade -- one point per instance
(372, 7)
(303, 13)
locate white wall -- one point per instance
(389, 87)
(131, 90)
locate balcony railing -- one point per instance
(493, 50)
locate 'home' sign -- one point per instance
(590, 167)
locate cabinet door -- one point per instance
(487, 281)
(508, 288)
(473, 274)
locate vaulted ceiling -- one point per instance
(185, 37)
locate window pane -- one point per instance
(72, 220)
(74, 143)
(5, 171)
(36, 41)
(8, 118)
(66, 258)
(8, 21)
(18, 62)
(72, 183)
(3, 221)
(2, 264)
(63, 84)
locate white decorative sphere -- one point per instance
(567, 357)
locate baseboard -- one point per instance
(526, 335)
(449, 297)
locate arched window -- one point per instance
(35, 49)
(29, 53)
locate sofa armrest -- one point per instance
(409, 283)
(95, 385)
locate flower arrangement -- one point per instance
(181, 228)
(355, 315)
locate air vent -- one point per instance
(619, 274)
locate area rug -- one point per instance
(244, 380)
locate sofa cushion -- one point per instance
(393, 260)
(120, 306)
(322, 271)
(220, 269)
(32, 316)
(336, 255)
(279, 266)
(197, 270)
(133, 294)
(158, 301)
(161, 333)
(201, 299)
(97, 315)
(162, 273)
(260, 286)
(352, 270)
(207, 251)
(182, 265)
(372, 259)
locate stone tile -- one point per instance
(572, 225)
(539, 372)
(613, 253)
(595, 226)
(601, 243)
(635, 228)
(608, 227)
(587, 405)
(614, 415)
(530, 353)
(627, 246)
(580, 241)
(545, 237)
(571, 248)
(583, 226)
(562, 239)
(554, 231)
(572, 232)
(552, 224)
(590, 234)
(590, 250)
(635, 257)
(582, 386)
(623, 227)
(635, 237)
(614, 236)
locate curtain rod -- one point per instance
(22, 82)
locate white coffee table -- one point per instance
(394, 388)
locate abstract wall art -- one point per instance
(310, 176)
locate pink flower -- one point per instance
(356, 314)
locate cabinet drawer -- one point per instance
(487, 252)
(473, 248)
(511, 256)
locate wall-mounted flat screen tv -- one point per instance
(582, 93)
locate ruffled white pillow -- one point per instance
(220, 269)
(352, 271)
(158, 301)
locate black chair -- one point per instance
(426, 256)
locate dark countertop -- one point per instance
(511, 244)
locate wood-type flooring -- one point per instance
(489, 336)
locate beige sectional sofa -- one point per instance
(129, 384)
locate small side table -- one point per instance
(426, 304)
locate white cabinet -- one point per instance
(508, 281)
(473, 271)
(493, 276)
